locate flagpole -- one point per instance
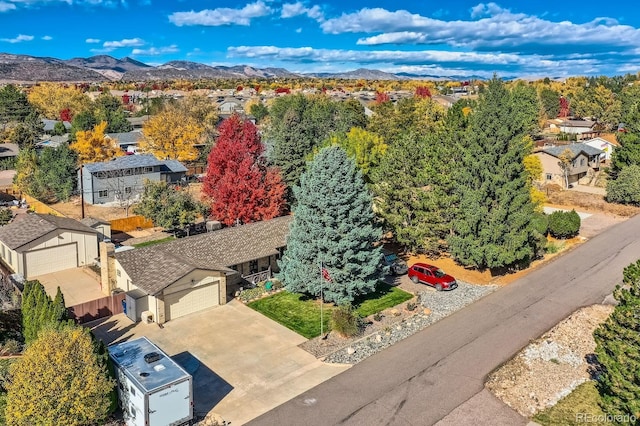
(321, 302)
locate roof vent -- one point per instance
(158, 367)
(144, 374)
(152, 357)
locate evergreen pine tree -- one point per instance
(334, 225)
(59, 309)
(618, 349)
(628, 153)
(493, 226)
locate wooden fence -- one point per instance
(39, 206)
(95, 309)
(130, 223)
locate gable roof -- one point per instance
(575, 148)
(578, 123)
(134, 161)
(92, 221)
(154, 268)
(9, 150)
(29, 227)
(131, 137)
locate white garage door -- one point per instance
(190, 301)
(51, 259)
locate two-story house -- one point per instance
(123, 177)
(582, 159)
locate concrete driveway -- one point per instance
(243, 363)
(78, 285)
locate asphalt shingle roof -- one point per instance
(131, 137)
(125, 162)
(154, 268)
(576, 149)
(29, 227)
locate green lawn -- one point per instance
(154, 242)
(302, 315)
(574, 409)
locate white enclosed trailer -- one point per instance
(152, 388)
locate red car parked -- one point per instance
(431, 275)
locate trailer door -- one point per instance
(171, 405)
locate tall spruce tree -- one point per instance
(493, 225)
(628, 153)
(618, 349)
(298, 124)
(334, 225)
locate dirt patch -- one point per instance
(592, 203)
(552, 366)
(73, 210)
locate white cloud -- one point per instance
(435, 62)
(491, 27)
(5, 7)
(92, 40)
(19, 39)
(298, 30)
(47, 38)
(155, 51)
(290, 10)
(221, 16)
(127, 42)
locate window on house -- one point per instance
(127, 190)
(133, 391)
(103, 194)
(548, 176)
(148, 169)
(10, 257)
(573, 163)
(234, 267)
(582, 162)
(253, 266)
(118, 272)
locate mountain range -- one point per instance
(29, 69)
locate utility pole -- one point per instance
(81, 194)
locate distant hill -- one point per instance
(24, 68)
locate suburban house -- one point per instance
(583, 159)
(49, 125)
(577, 127)
(177, 278)
(606, 145)
(122, 178)
(127, 141)
(229, 106)
(8, 150)
(36, 244)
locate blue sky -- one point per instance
(448, 38)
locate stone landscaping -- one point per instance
(396, 324)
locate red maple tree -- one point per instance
(66, 115)
(238, 184)
(423, 92)
(564, 107)
(382, 97)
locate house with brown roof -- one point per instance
(173, 279)
(37, 244)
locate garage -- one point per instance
(51, 259)
(192, 300)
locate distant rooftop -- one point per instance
(576, 149)
(134, 161)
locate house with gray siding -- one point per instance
(122, 178)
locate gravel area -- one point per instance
(397, 324)
(552, 366)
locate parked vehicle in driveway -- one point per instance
(392, 263)
(431, 275)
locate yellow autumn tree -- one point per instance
(366, 148)
(173, 135)
(533, 168)
(59, 381)
(93, 146)
(50, 99)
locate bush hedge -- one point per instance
(345, 320)
(564, 224)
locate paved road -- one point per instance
(428, 375)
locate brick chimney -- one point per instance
(107, 268)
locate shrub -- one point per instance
(252, 293)
(564, 224)
(10, 347)
(378, 317)
(540, 222)
(552, 247)
(626, 188)
(345, 321)
(5, 216)
(411, 306)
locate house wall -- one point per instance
(122, 279)
(119, 183)
(87, 244)
(574, 130)
(579, 168)
(604, 145)
(12, 259)
(245, 269)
